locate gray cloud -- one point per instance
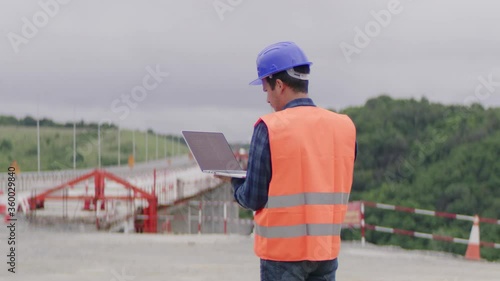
(92, 52)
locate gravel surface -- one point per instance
(51, 255)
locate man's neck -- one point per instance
(295, 96)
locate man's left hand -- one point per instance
(223, 178)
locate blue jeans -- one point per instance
(298, 270)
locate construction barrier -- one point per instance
(474, 243)
(428, 212)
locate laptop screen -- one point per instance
(211, 151)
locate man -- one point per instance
(299, 175)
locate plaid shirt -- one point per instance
(252, 192)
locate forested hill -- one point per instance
(424, 155)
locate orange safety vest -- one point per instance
(312, 158)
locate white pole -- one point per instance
(173, 143)
(38, 134)
(133, 144)
(146, 146)
(363, 241)
(156, 146)
(99, 144)
(178, 145)
(189, 218)
(199, 217)
(225, 218)
(74, 140)
(165, 149)
(119, 163)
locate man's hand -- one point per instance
(224, 178)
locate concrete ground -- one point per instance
(50, 255)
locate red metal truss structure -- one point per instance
(150, 212)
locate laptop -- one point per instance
(213, 154)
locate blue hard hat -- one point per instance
(279, 57)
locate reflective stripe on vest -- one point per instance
(298, 230)
(307, 198)
(312, 161)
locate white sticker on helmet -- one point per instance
(298, 75)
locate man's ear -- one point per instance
(280, 85)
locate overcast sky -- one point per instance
(79, 59)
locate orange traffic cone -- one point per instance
(473, 251)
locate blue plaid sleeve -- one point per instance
(252, 192)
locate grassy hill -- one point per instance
(56, 145)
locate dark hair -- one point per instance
(297, 85)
